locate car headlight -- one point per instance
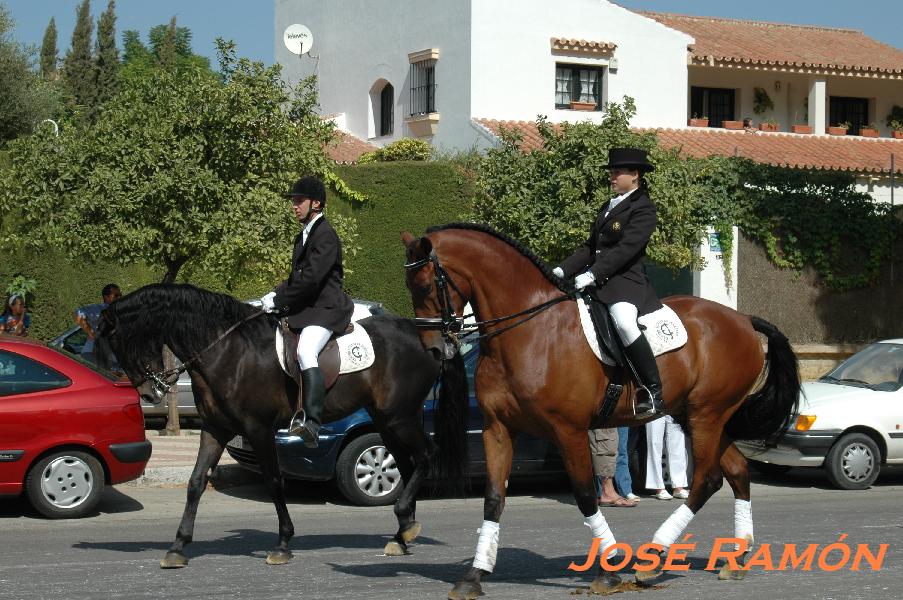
(804, 422)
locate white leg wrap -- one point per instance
(487, 546)
(671, 529)
(743, 521)
(600, 529)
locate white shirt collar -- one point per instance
(310, 225)
(617, 199)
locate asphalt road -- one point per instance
(338, 549)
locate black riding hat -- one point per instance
(629, 158)
(309, 187)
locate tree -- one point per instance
(25, 99)
(166, 52)
(107, 62)
(78, 66)
(49, 56)
(179, 171)
(548, 198)
(138, 59)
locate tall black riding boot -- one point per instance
(649, 391)
(314, 397)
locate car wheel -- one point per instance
(366, 472)
(65, 485)
(853, 462)
(769, 468)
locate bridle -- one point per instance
(450, 324)
(162, 381)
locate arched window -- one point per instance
(387, 110)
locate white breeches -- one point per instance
(624, 315)
(312, 340)
(659, 433)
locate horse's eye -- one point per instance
(425, 290)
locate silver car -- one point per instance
(74, 338)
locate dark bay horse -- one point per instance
(240, 388)
(540, 377)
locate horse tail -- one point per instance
(767, 413)
(450, 424)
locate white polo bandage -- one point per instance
(743, 521)
(671, 529)
(599, 526)
(487, 546)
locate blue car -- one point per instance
(352, 452)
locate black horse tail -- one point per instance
(451, 423)
(767, 413)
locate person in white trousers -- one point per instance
(659, 433)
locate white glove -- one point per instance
(268, 302)
(584, 279)
(558, 271)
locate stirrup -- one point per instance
(656, 410)
(295, 424)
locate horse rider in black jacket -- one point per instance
(312, 298)
(611, 264)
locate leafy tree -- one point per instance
(78, 66)
(179, 171)
(139, 59)
(25, 99)
(49, 56)
(548, 198)
(107, 62)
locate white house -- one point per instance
(455, 72)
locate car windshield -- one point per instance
(879, 367)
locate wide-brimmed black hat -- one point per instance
(629, 158)
(309, 187)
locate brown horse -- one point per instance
(540, 377)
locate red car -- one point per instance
(66, 429)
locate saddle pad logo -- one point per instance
(357, 354)
(666, 330)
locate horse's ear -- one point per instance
(406, 238)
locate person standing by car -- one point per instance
(312, 299)
(88, 317)
(15, 318)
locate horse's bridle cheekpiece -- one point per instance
(450, 324)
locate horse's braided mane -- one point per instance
(540, 264)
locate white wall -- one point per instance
(361, 41)
(514, 67)
(879, 187)
(709, 283)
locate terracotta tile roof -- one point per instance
(345, 148)
(845, 153)
(739, 43)
(582, 46)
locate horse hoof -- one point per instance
(605, 583)
(648, 578)
(411, 532)
(465, 590)
(173, 560)
(393, 548)
(727, 573)
(278, 557)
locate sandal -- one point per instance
(620, 501)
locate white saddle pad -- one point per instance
(664, 331)
(355, 350)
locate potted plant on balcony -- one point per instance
(577, 105)
(870, 130)
(769, 125)
(839, 128)
(697, 121)
(732, 124)
(895, 122)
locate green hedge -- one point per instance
(408, 196)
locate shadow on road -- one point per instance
(112, 501)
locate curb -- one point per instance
(224, 476)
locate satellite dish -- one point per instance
(298, 39)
